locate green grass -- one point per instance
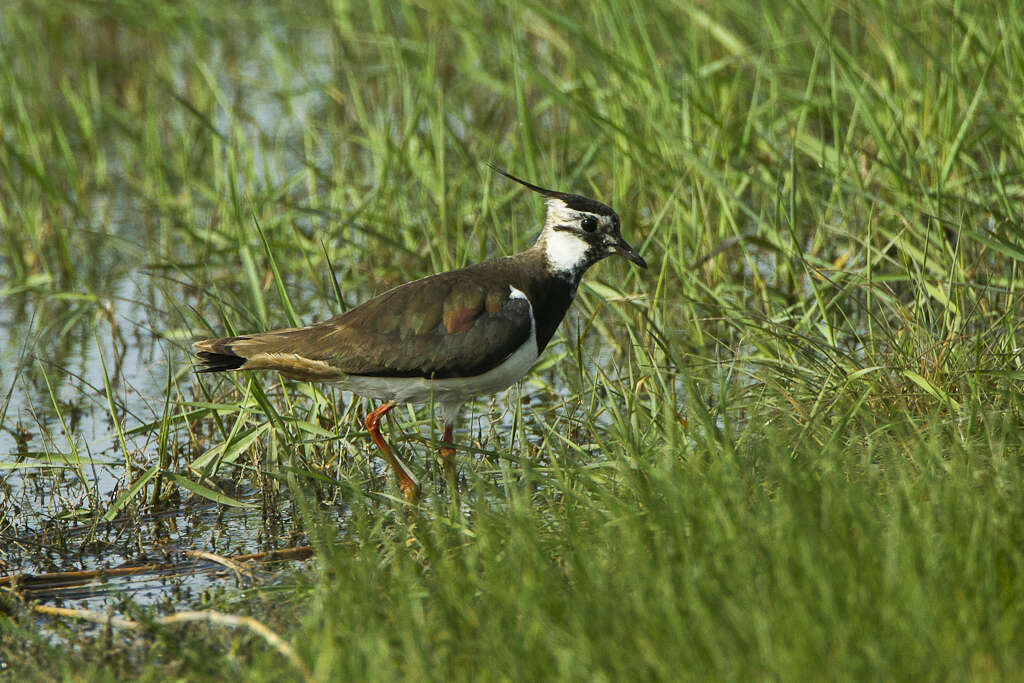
(789, 450)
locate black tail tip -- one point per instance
(210, 361)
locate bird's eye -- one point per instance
(589, 223)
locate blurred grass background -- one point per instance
(789, 450)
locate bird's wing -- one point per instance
(446, 325)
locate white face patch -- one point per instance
(559, 214)
(565, 251)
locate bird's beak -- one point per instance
(629, 253)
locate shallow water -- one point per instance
(50, 503)
(124, 318)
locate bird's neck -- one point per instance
(549, 288)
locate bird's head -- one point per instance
(578, 232)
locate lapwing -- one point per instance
(445, 338)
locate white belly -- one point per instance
(455, 390)
(449, 390)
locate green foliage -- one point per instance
(789, 450)
(762, 565)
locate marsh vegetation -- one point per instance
(790, 449)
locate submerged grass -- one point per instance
(791, 449)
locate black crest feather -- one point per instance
(573, 201)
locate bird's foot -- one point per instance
(410, 489)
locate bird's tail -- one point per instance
(216, 355)
(294, 352)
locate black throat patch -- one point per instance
(551, 300)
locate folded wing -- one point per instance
(443, 326)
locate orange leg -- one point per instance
(410, 489)
(448, 454)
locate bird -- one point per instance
(445, 338)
